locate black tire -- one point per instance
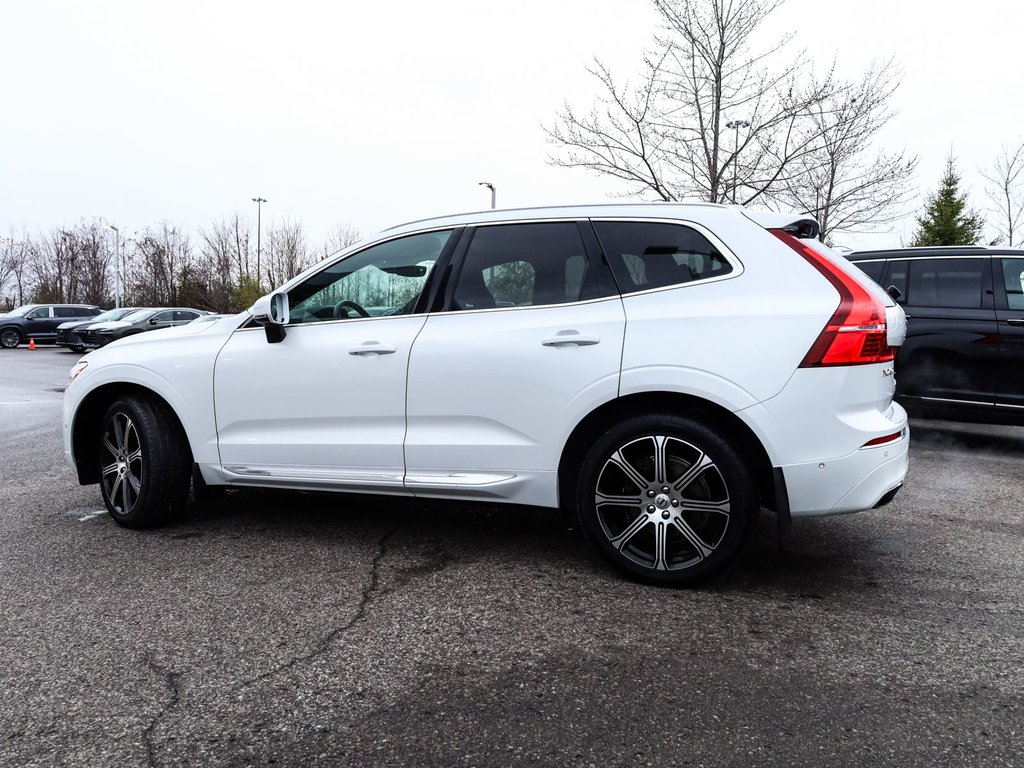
(144, 461)
(10, 338)
(77, 348)
(674, 521)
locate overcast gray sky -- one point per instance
(373, 114)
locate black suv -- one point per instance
(964, 354)
(39, 322)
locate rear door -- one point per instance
(951, 354)
(529, 342)
(1009, 279)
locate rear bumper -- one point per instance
(864, 479)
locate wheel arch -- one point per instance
(731, 426)
(89, 414)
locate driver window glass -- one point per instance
(1013, 277)
(38, 313)
(383, 280)
(163, 317)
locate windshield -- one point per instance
(139, 314)
(22, 311)
(112, 314)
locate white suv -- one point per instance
(663, 369)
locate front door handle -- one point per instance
(570, 339)
(373, 348)
(1019, 321)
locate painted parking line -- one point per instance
(85, 513)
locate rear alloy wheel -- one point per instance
(666, 499)
(9, 338)
(144, 463)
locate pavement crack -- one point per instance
(171, 681)
(371, 590)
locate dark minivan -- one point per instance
(964, 354)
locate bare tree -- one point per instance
(340, 238)
(710, 119)
(287, 253)
(1005, 190)
(842, 183)
(157, 258)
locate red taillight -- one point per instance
(883, 440)
(856, 332)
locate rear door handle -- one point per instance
(373, 348)
(570, 339)
(1019, 321)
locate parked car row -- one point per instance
(82, 326)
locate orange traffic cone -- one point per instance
(31, 343)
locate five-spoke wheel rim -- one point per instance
(121, 462)
(662, 503)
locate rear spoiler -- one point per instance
(802, 226)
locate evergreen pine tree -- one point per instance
(946, 219)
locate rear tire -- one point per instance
(144, 462)
(666, 499)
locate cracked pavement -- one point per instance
(307, 629)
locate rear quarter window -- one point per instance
(645, 255)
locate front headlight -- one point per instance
(80, 366)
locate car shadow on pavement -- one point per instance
(811, 562)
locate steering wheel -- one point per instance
(342, 307)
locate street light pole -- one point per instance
(117, 266)
(490, 187)
(259, 204)
(736, 125)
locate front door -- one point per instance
(325, 407)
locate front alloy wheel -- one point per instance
(144, 461)
(121, 463)
(667, 499)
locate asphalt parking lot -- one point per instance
(304, 629)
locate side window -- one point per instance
(1013, 279)
(897, 279)
(525, 265)
(948, 283)
(69, 312)
(38, 313)
(647, 255)
(383, 280)
(163, 317)
(184, 316)
(872, 269)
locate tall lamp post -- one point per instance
(117, 266)
(490, 187)
(259, 204)
(736, 125)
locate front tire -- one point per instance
(144, 462)
(10, 338)
(666, 499)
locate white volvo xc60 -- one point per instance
(663, 369)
